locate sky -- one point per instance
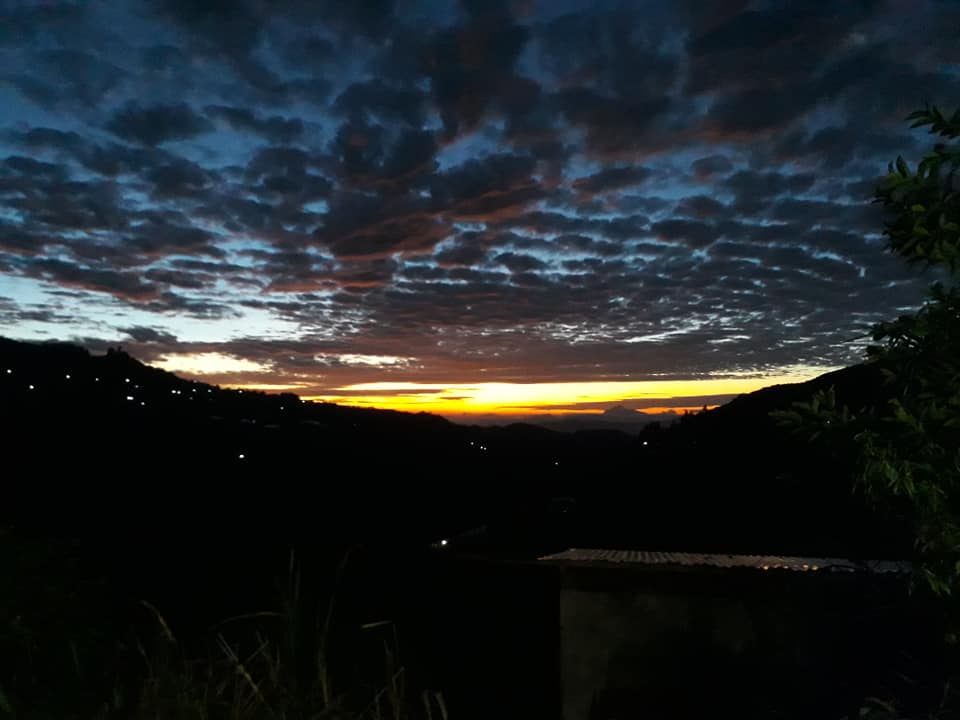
(478, 207)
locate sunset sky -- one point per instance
(467, 207)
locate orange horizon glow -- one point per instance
(518, 399)
(507, 399)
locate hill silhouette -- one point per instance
(105, 445)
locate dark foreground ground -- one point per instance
(193, 499)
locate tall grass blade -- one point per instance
(168, 634)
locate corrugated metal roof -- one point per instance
(757, 562)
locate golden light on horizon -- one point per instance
(653, 396)
(546, 398)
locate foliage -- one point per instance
(273, 665)
(925, 203)
(905, 449)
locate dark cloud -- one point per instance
(613, 178)
(157, 124)
(614, 127)
(787, 41)
(178, 178)
(17, 240)
(40, 93)
(702, 206)
(518, 263)
(470, 70)
(142, 334)
(375, 99)
(753, 189)
(125, 285)
(109, 159)
(276, 129)
(27, 22)
(158, 238)
(227, 27)
(81, 77)
(47, 197)
(692, 232)
(44, 137)
(28, 166)
(372, 19)
(363, 226)
(169, 302)
(707, 167)
(496, 185)
(835, 146)
(367, 156)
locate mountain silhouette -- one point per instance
(105, 445)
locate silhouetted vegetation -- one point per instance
(136, 485)
(902, 445)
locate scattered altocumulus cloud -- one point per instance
(313, 196)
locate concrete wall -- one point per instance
(707, 647)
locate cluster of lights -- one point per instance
(127, 380)
(133, 398)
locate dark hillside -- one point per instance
(106, 446)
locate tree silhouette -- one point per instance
(905, 449)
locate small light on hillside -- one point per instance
(241, 456)
(645, 442)
(142, 403)
(129, 397)
(126, 380)
(9, 371)
(444, 542)
(30, 387)
(68, 377)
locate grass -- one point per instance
(294, 663)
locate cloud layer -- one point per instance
(474, 192)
